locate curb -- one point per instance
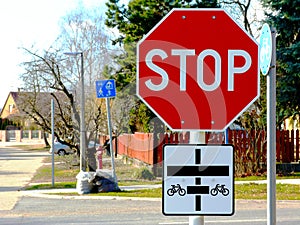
(53, 194)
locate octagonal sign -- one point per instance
(197, 69)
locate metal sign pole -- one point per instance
(107, 89)
(196, 138)
(110, 141)
(271, 135)
(52, 139)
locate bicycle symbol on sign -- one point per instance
(266, 50)
(219, 189)
(176, 189)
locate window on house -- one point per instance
(11, 106)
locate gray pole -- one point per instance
(271, 135)
(52, 139)
(196, 138)
(82, 120)
(110, 141)
(82, 114)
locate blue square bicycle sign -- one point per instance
(105, 88)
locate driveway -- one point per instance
(17, 168)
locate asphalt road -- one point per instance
(32, 210)
(17, 167)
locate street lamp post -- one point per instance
(82, 113)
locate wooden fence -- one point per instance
(253, 144)
(249, 146)
(138, 146)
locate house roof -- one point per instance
(43, 98)
(14, 95)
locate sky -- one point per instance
(25, 23)
(28, 23)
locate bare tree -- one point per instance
(123, 103)
(58, 75)
(44, 80)
(248, 13)
(245, 12)
(84, 31)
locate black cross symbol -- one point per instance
(198, 171)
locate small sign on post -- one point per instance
(107, 89)
(198, 179)
(265, 51)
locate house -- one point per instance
(16, 109)
(10, 106)
(17, 102)
(12, 120)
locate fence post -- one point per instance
(287, 146)
(252, 145)
(297, 145)
(259, 146)
(156, 142)
(278, 156)
(181, 141)
(281, 145)
(244, 143)
(230, 136)
(176, 139)
(187, 137)
(171, 140)
(292, 149)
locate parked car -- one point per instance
(61, 149)
(92, 144)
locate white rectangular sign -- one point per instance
(198, 179)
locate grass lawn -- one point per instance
(259, 191)
(67, 167)
(242, 191)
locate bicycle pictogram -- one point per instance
(219, 189)
(266, 50)
(176, 189)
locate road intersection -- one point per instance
(17, 167)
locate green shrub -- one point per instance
(143, 173)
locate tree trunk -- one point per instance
(45, 140)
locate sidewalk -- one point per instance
(16, 170)
(13, 144)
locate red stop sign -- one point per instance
(197, 69)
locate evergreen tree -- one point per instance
(284, 15)
(133, 21)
